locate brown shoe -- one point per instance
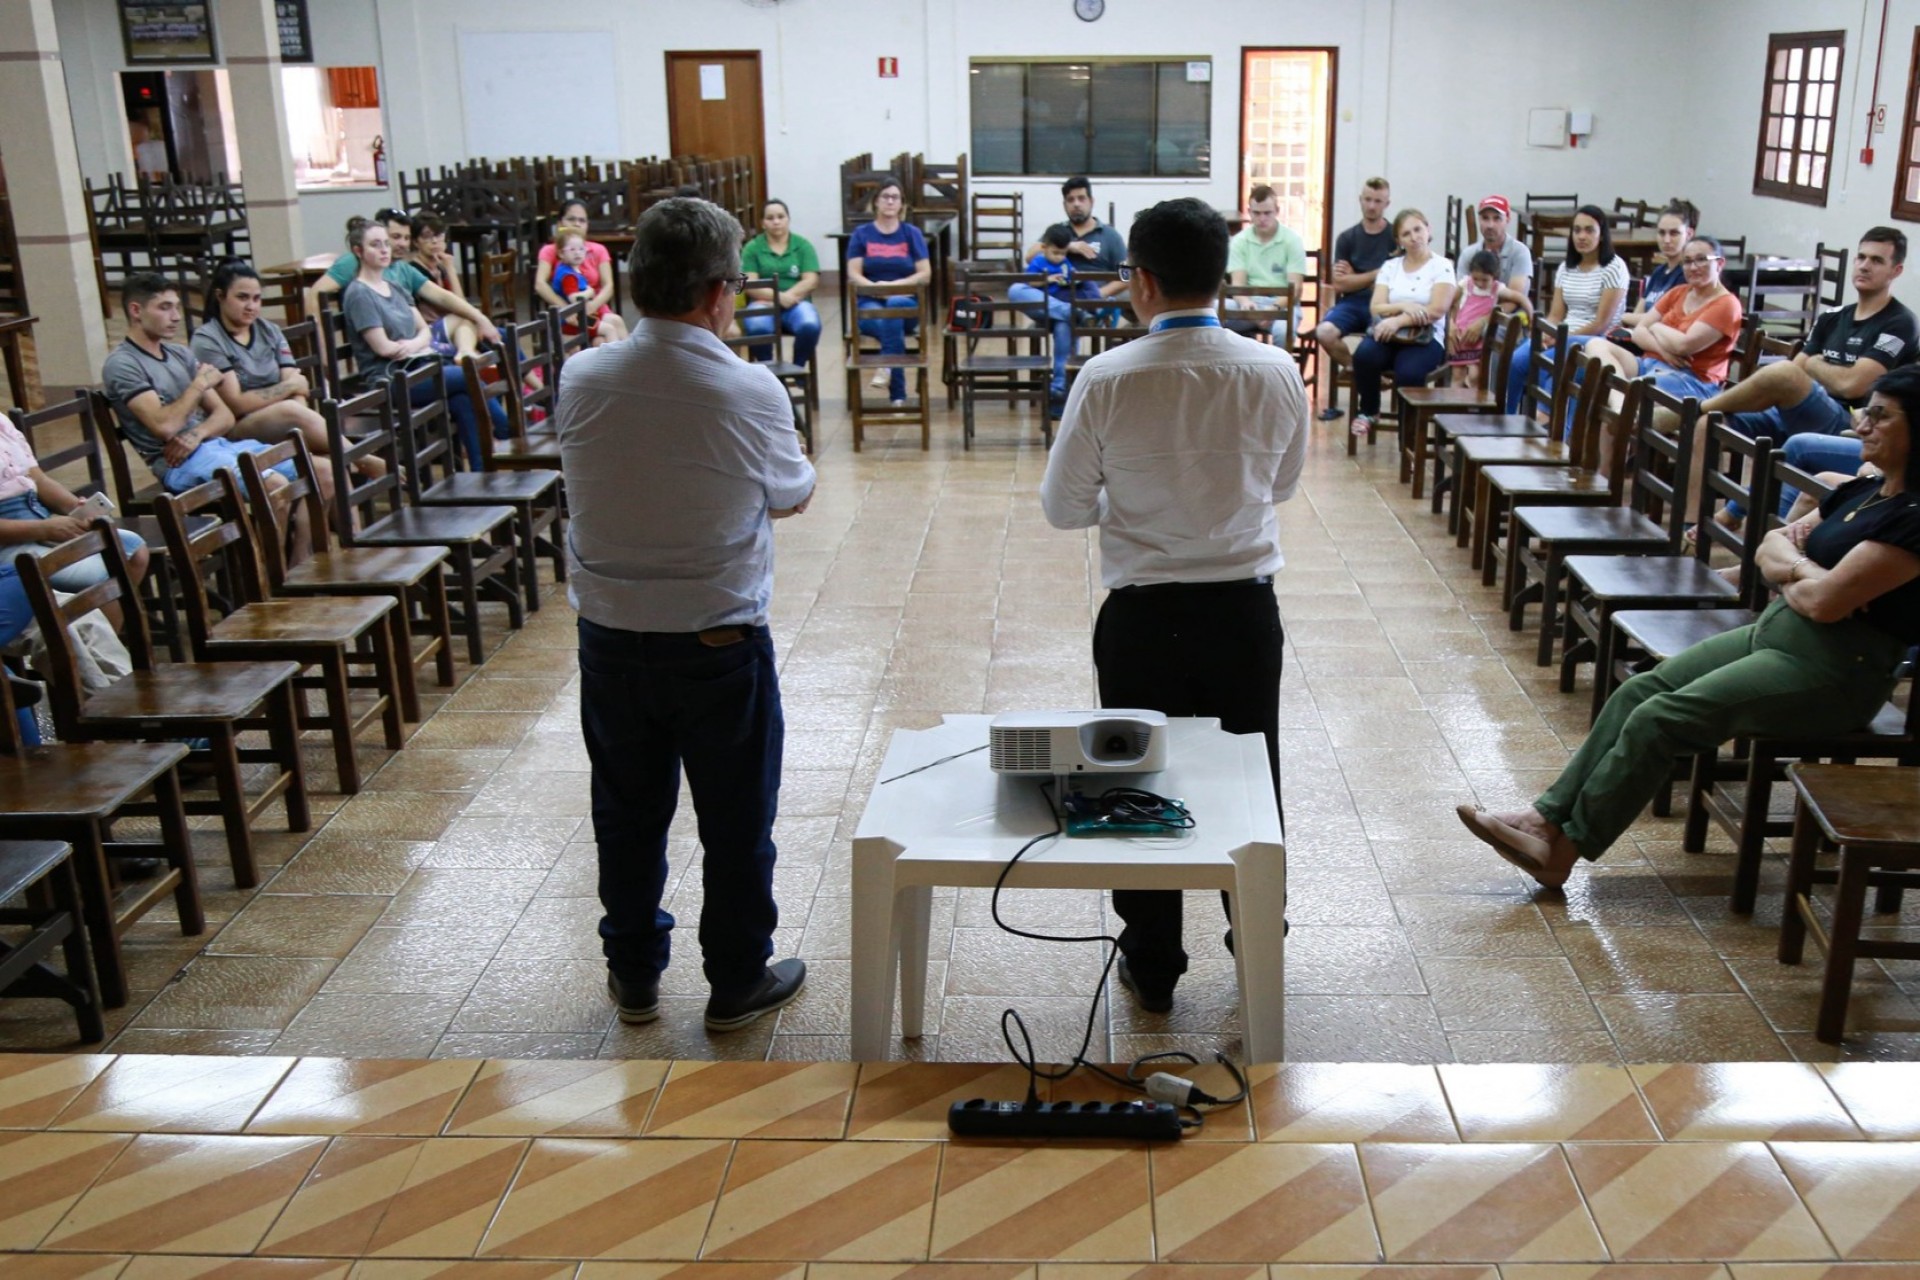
(1531, 854)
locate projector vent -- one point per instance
(1017, 750)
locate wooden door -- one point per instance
(732, 124)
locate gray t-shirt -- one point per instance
(366, 309)
(257, 362)
(1515, 260)
(128, 372)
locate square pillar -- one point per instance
(250, 40)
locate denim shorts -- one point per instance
(1352, 314)
(212, 457)
(77, 576)
(1818, 412)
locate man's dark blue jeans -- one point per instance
(650, 703)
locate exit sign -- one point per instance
(889, 68)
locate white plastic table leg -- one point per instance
(875, 946)
(1259, 911)
(913, 909)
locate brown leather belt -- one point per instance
(721, 637)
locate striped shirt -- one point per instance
(1582, 290)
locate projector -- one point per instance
(1059, 743)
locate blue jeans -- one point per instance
(1517, 371)
(1411, 367)
(460, 405)
(213, 456)
(1819, 412)
(75, 577)
(801, 320)
(892, 334)
(1812, 452)
(1060, 316)
(16, 615)
(650, 703)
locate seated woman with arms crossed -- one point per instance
(1820, 660)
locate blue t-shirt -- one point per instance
(1661, 279)
(1041, 267)
(886, 256)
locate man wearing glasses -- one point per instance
(1177, 446)
(678, 457)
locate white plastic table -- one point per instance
(958, 822)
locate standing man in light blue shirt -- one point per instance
(678, 457)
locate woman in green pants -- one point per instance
(1820, 660)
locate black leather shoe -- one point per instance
(638, 1001)
(1153, 1001)
(777, 989)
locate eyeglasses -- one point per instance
(1701, 262)
(738, 284)
(1126, 269)
(1876, 413)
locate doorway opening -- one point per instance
(1286, 134)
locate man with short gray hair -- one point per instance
(678, 456)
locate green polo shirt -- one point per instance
(760, 262)
(402, 273)
(1270, 263)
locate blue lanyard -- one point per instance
(1184, 322)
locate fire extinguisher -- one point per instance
(379, 160)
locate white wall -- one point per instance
(1433, 95)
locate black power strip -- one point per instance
(979, 1118)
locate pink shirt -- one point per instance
(596, 256)
(16, 462)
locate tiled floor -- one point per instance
(644, 1170)
(448, 910)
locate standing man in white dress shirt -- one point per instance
(678, 456)
(1178, 445)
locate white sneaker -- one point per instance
(879, 378)
(901, 403)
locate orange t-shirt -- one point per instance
(1724, 313)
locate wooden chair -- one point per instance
(529, 444)
(567, 336)
(309, 356)
(1873, 817)
(918, 408)
(1022, 370)
(1540, 537)
(498, 281)
(802, 381)
(1783, 300)
(81, 466)
(181, 700)
(1544, 398)
(1253, 309)
(996, 222)
(134, 496)
(286, 292)
(1418, 406)
(1450, 232)
(336, 348)
(1830, 274)
(74, 792)
(369, 512)
(432, 477)
(39, 875)
(1502, 471)
(411, 576)
(331, 634)
(1598, 587)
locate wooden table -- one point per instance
(14, 329)
(309, 269)
(1873, 814)
(1638, 248)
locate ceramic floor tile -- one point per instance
(159, 1267)
(923, 1271)
(582, 1099)
(591, 1270)
(1285, 1271)
(1507, 1202)
(1824, 1271)
(1732, 1101)
(849, 1201)
(365, 1096)
(1165, 1271)
(1310, 1102)
(1882, 1097)
(1863, 1195)
(1037, 1203)
(1261, 1202)
(42, 1174)
(1521, 1102)
(1682, 1201)
(754, 1100)
(417, 1269)
(34, 1088)
(891, 1103)
(184, 1094)
(188, 1194)
(603, 1198)
(408, 1197)
(56, 1266)
(1615, 1271)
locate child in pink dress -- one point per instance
(1481, 293)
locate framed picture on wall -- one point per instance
(170, 33)
(296, 38)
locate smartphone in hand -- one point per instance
(96, 507)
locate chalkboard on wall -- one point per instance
(171, 33)
(296, 38)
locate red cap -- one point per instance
(1497, 202)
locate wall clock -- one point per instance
(1089, 10)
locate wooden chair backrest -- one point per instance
(225, 543)
(1662, 449)
(309, 354)
(1261, 304)
(920, 293)
(283, 290)
(273, 508)
(1733, 248)
(41, 424)
(106, 428)
(1784, 301)
(498, 284)
(1450, 233)
(1589, 399)
(336, 344)
(1830, 274)
(1738, 469)
(55, 617)
(567, 334)
(529, 349)
(359, 499)
(1496, 353)
(423, 426)
(1537, 402)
